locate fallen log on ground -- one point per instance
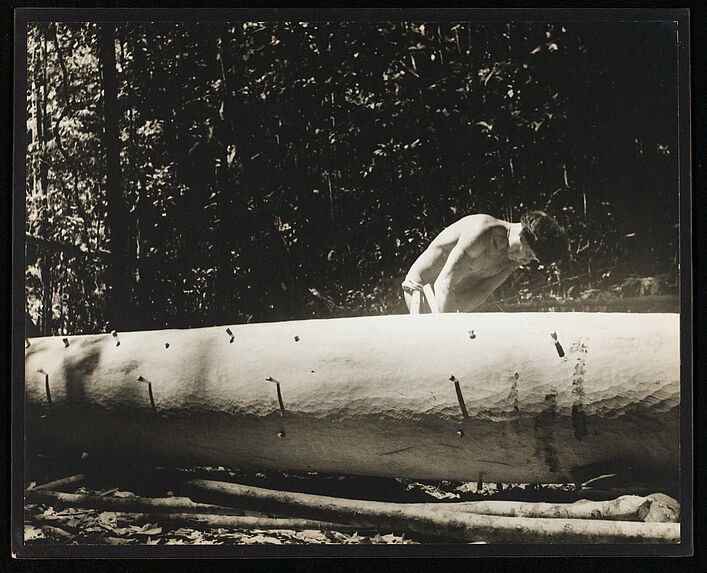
(445, 396)
(660, 508)
(624, 508)
(124, 504)
(433, 522)
(663, 508)
(209, 521)
(59, 484)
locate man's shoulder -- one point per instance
(480, 219)
(480, 225)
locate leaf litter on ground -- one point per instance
(62, 525)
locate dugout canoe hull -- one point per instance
(448, 396)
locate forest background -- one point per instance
(186, 175)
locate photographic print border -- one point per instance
(23, 16)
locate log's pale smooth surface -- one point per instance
(372, 395)
(624, 508)
(57, 485)
(207, 521)
(124, 504)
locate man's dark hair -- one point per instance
(545, 236)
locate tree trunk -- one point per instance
(447, 396)
(117, 303)
(46, 267)
(45, 261)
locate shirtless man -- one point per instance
(471, 258)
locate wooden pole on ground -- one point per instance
(434, 522)
(125, 504)
(58, 485)
(209, 521)
(624, 508)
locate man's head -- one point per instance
(543, 235)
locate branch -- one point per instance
(209, 521)
(409, 69)
(62, 483)
(125, 504)
(552, 196)
(65, 74)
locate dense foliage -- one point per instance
(208, 174)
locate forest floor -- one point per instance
(56, 525)
(50, 525)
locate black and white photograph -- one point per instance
(352, 283)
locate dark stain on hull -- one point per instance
(544, 432)
(78, 369)
(513, 398)
(579, 418)
(579, 421)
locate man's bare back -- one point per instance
(467, 261)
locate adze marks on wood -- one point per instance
(380, 383)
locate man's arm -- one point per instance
(448, 279)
